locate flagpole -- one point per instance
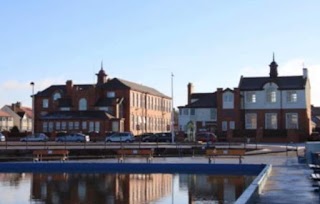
(172, 111)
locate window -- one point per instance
(271, 95)
(251, 97)
(84, 125)
(56, 96)
(76, 125)
(45, 126)
(224, 125)
(45, 103)
(186, 111)
(251, 121)
(83, 104)
(63, 125)
(213, 114)
(50, 126)
(70, 125)
(97, 126)
(111, 94)
(292, 121)
(292, 96)
(271, 121)
(58, 125)
(228, 97)
(192, 111)
(232, 125)
(91, 126)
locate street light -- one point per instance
(172, 111)
(32, 125)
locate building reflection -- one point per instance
(100, 188)
(214, 188)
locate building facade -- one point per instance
(109, 105)
(272, 108)
(6, 121)
(21, 116)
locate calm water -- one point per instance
(68, 188)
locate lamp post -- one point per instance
(172, 111)
(32, 125)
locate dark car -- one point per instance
(158, 137)
(143, 135)
(207, 137)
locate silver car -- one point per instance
(2, 137)
(120, 137)
(73, 137)
(37, 137)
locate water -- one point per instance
(66, 188)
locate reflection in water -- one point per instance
(126, 188)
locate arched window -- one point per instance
(56, 96)
(83, 104)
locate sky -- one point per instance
(206, 42)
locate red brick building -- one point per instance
(272, 109)
(109, 105)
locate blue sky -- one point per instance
(209, 43)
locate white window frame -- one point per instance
(224, 125)
(45, 126)
(84, 125)
(232, 125)
(45, 103)
(56, 96)
(83, 104)
(251, 121)
(271, 95)
(292, 97)
(111, 94)
(251, 97)
(290, 124)
(271, 121)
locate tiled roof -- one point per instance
(205, 100)
(65, 115)
(284, 83)
(27, 111)
(64, 102)
(315, 110)
(62, 89)
(103, 102)
(4, 114)
(116, 83)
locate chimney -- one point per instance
(69, 87)
(15, 106)
(305, 73)
(190, 91)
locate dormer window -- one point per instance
(56, 96)
(111, 94)
(83, 104)
(271, 95)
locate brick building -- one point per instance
(109, 105)
(272, 108)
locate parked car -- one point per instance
(142, 136)
(37, 137)
(73, 137)
(120, 137)
(2, 137)
(158, 137)
(207, 137)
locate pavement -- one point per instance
(288, 183)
